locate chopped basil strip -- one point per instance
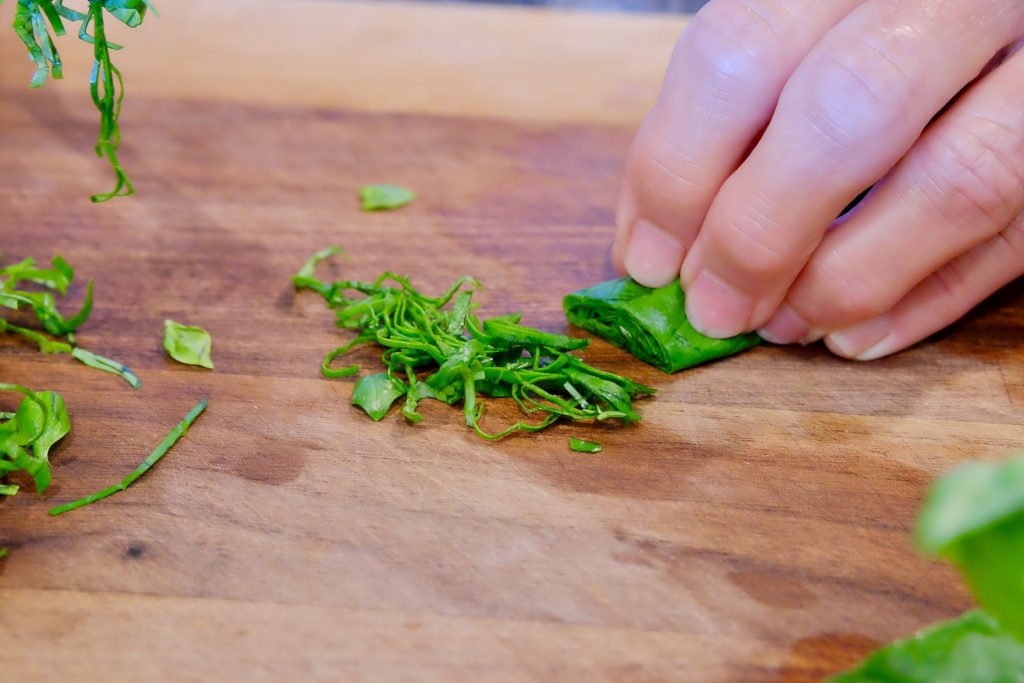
(384, 197)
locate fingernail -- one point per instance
(653, 256)
(785, 327)
(716, 309)
(864, 341)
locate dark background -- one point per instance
(626, 5)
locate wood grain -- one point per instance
(754, 527)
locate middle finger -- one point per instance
(850, 111)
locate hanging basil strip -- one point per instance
(58, 333)
(649, 323)
(33, 22)
(437, 348)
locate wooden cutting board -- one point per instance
(754, 527)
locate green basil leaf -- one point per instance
(974, 517)
(581, 446)
(188, 344)
(384, 197)
(971, 649)
(377, 393)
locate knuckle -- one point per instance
(733, 39)
(662, 172)
(749, 243)
(852, 96)
(1013, 237)
(842, 297)
(975, 174)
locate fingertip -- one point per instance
(652, 256)
(868, 340)
(715, 308)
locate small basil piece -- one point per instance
(384, 197)
(54, 281)
(581, 446)
(377, 393)
(971, 649)
(28, 434)
(188, 344)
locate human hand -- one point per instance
(776, 114)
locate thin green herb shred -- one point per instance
(37, 22)
(188, 344)
(649, 323)
(172, 438)
(437, 348)
(27, 435)
(581, 446)
(384, 197)
(58, 332)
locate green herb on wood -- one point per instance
(974, 516)
(58, 333)
(28, 435)
(154, 457)
(649, 323)
(581, 446)
(37, 22)
(437, 348)
(971, 649)
(3, 553)
(188, 344)
(384, 197)
(377, 393)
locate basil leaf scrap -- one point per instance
(377, 393)
(974, 517)
(188, 344)
(58, 332)
(28, 435)
(581, 446)
(384, 197)
(971, 649)
(437, 348)
(651, 324)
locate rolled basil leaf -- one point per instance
(649, 323)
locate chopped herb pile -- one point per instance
(188, 344)
(37, 22)
(58, 333)
(152, 459)
(649, 323)
(28, 434)
(581, 446)
(384, 197)
(437, 348)
(974, 516)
